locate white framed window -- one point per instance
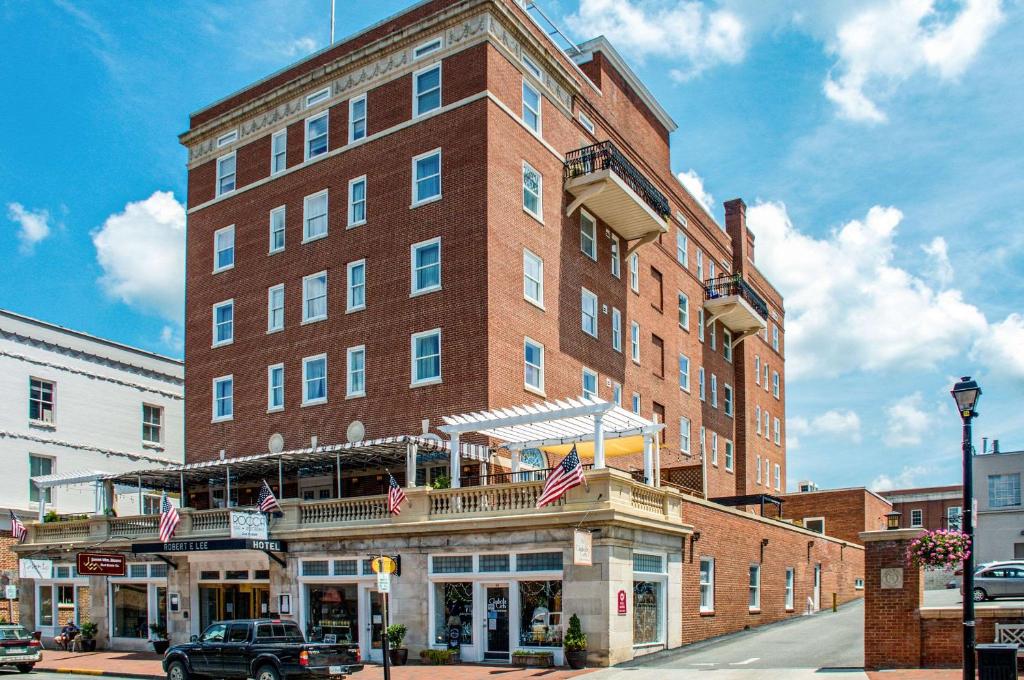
(757, 419)
(778, 477)
(355, 371)
(727, 344)
(356, 118)
(634, 273)
(589, 383)
(728, 398)
(223, 323)
(707, 584)
(314, 216)
(617, 393)
(684, 434)
(714, 390)
(711, 268)
(682, 246)
(757, 469)
(700, 267)
(777, 432)
(224, 249)
(275, 308)
(531, 66)
(757, 369)
(789, 588)
(426, 266)
(533, 278)
(635, 403)
(531, 107)
(275, 387)
(426, 90)
(426, 177)
(277, 225)
(226, 174)
(767, 472)
(429, 47)
(585, 121)
(684, 311)
(616, 257)
(702, 383)
(533, 365)
(152, 423)
(775, 337)
(314, 380)
(728, 455)
(426, 357)
(318, 96)
(223, 398)
(700, 323)
(533, 188)
(316, 135)
(1004, 490)
(588, 308)
(355, 287)
(357, 201)
(616, 329)
(684, 372)
(765, 367)
(703, 441)
(634, 341)
(588, 235)
(775, 384)
(754, 599)
(711, 335)
(279, 151)
(714, 448)
(227, 138)
(767, 430)
(815, 524)
(916, 518)
(314, 297)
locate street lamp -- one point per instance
(966, 393)
(892, 520)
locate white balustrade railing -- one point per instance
(474, 499)
(50, 532)
(647, 498)
(211, 522)
(344, 510)
(135, 526)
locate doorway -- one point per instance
(496, 635)
(373, 607)
(230, 601)
(817, 587)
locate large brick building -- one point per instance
(928, 507)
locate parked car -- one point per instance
(19, 648)
(263, 649)
(1003, 579)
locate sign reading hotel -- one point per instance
(229, 544)
(248, 525)
(101, 564)
(582, 548)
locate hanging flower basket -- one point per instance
(939, 548)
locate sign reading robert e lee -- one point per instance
(101, 564)
(267, 545)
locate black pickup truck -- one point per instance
(264, 649)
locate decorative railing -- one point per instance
(62, 531)
(211, 522)
(343, 510)
(604, 156)
(477, 499)
(733, 284)
(512, 477)
(130, 527)
(647, 498)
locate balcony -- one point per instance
(603, 181)
(731, 301)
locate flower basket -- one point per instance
(939, 548)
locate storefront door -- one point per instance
(817, 587)
(373, 625)
(496, 634)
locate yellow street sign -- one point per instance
(383, 565)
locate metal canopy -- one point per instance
(750, 499)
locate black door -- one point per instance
(497, 623)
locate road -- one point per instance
(951, 598)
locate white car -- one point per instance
(18, 648)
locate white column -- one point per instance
(648, 460)
(657, 459)
(227, 486)
(139, 478)
(517, 459)
(483, 473)
(411, 452)
(599, 441)
(455, 464)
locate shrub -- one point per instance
(88, 629)
(939, 548)
(436, 657)
(396, 635)
(575, 639)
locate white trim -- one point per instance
(227, 138)
(616, 256)
(305, 380)
(216, 381)
(349, 392)
(305, 307)
(351, 201)
(634, 341)
(805, 520)
(587, 124)
(531, 66)
(230, 228)
(327, 135)
(283, 132)
(270, 296)
(583, 385)
(306, 238)
(219, 177)
(539, 214)
(414, 381)
(440, 172)
(428, 47)
(686, 387)
(540, 107)
(754, 589)
(270, 388)
(318, 96)
(351, 118)
(616, 330)
(216, 307)
(413, 249)
(585, 217)
(710, 607)
(920, 520)
(416, 94)
(527, 255)
(586, 295)
(349, 307)
(279, 210)
(537, 389)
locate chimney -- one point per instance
(995, 446)
(984, 444)
(742, 240)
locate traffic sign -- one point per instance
(383, 582)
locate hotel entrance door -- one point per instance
(229, 601)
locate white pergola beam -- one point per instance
(455, 424)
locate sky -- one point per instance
(878, 145)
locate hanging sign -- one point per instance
(101, 564)
(622, 602)
(383, 565)
(582, 548)
(11, 592)
(32, 568)
(383, 582)
(248, 525)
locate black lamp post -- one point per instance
(967, 393)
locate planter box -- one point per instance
(533, 660)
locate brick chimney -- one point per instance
(742, 239)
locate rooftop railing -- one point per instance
(604, 156)
(733, 284)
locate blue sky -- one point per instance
(877, 143)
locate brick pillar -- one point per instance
(893, 592)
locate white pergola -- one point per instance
(562, 422)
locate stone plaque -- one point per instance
(892, 578)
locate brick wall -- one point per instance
(892, 626)
(8, 574)
(847, 512)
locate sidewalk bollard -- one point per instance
(835, 603)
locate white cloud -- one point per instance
(1002, 347)
(33, 226)
(683, 31)
(886, 43)
(941, 268)
(906, 479)
(848, 306)
(299, 47)
(172, 338)
(694, 183)
(142, 253)
(907, 421)
(836, 422)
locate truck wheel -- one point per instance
(177, 671)
(25, 667)
(267, 672)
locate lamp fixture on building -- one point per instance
(966, 394)
(892, 519)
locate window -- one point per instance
(275, 308)
(778, 477)
(711, 268)
(357, 201)
(703, 441)
(533, 278)
(702, 383)
(533, 365)
(226, 174)
(727, 344)
(532, 67)
(707, 584)
(767, 431)
(279, 151)
(714, 390)
(540, 611)
(757, 469)
(152, 422)
(617, 394)
(728, 455)
(587, 124)
(775, 337)
(356, 118)
(681, 248)
(318, 96)
(757, 369)
(40, 400)
(589, 383)
(130, 608)
(426, 266)
(39, 466)
(916, 518)
(634, 341)
(815, 524)
(223, 323)
(426, 357)
(588, 235)
(954, 518)
(277, 222)
(533, 185)
(426, 48)
(223, 398)
(778, 432)
(453, 608)
(316, 136)
(684, 434)
(223, 249)
(588, 306)
(355, 296)
(635, 403)
(789, 588)
(728, 399)
(314, 297)
(648, 610)
(426, 90)
(711, 333)
(634, 273)
(714, 448)
(426, 177)
(700, 267)
(355, 376)
(765, 366)
(616, 262)
(700, 324)
(757, 419)
(531, 106)
(858, 584)
(659, 293)
(684, 372)
(616, 330)
(775, 384)
(227, 138)
(754, 601)
(314, 380)
(314, 216)
(275, 387)
(684, 311)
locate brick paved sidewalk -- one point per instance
(917, 674)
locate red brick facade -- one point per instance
(8, 574)
(845, 512)
(892, 624)
(933, 502)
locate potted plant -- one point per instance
(575, 644)
(533, 659)
(88, 632)
(398, 654)
(159, 639)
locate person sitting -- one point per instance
(67, 634)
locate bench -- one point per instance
(1011, 634)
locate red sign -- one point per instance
(622, 602)
(101, 564)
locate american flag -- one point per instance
(564, 476)
(396, 496)
(18, 530)
(267, 501)
(169, 519)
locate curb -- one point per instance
(87, 671)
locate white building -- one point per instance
(72, 404)
(999, 534)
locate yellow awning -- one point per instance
(619, 446)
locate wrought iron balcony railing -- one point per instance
(604, 156)
(733, 284)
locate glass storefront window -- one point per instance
(332, 610)
(646, 612)
(453, 608)
(45, 605)
(161, 606)
(131, 610)
(540, 613)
